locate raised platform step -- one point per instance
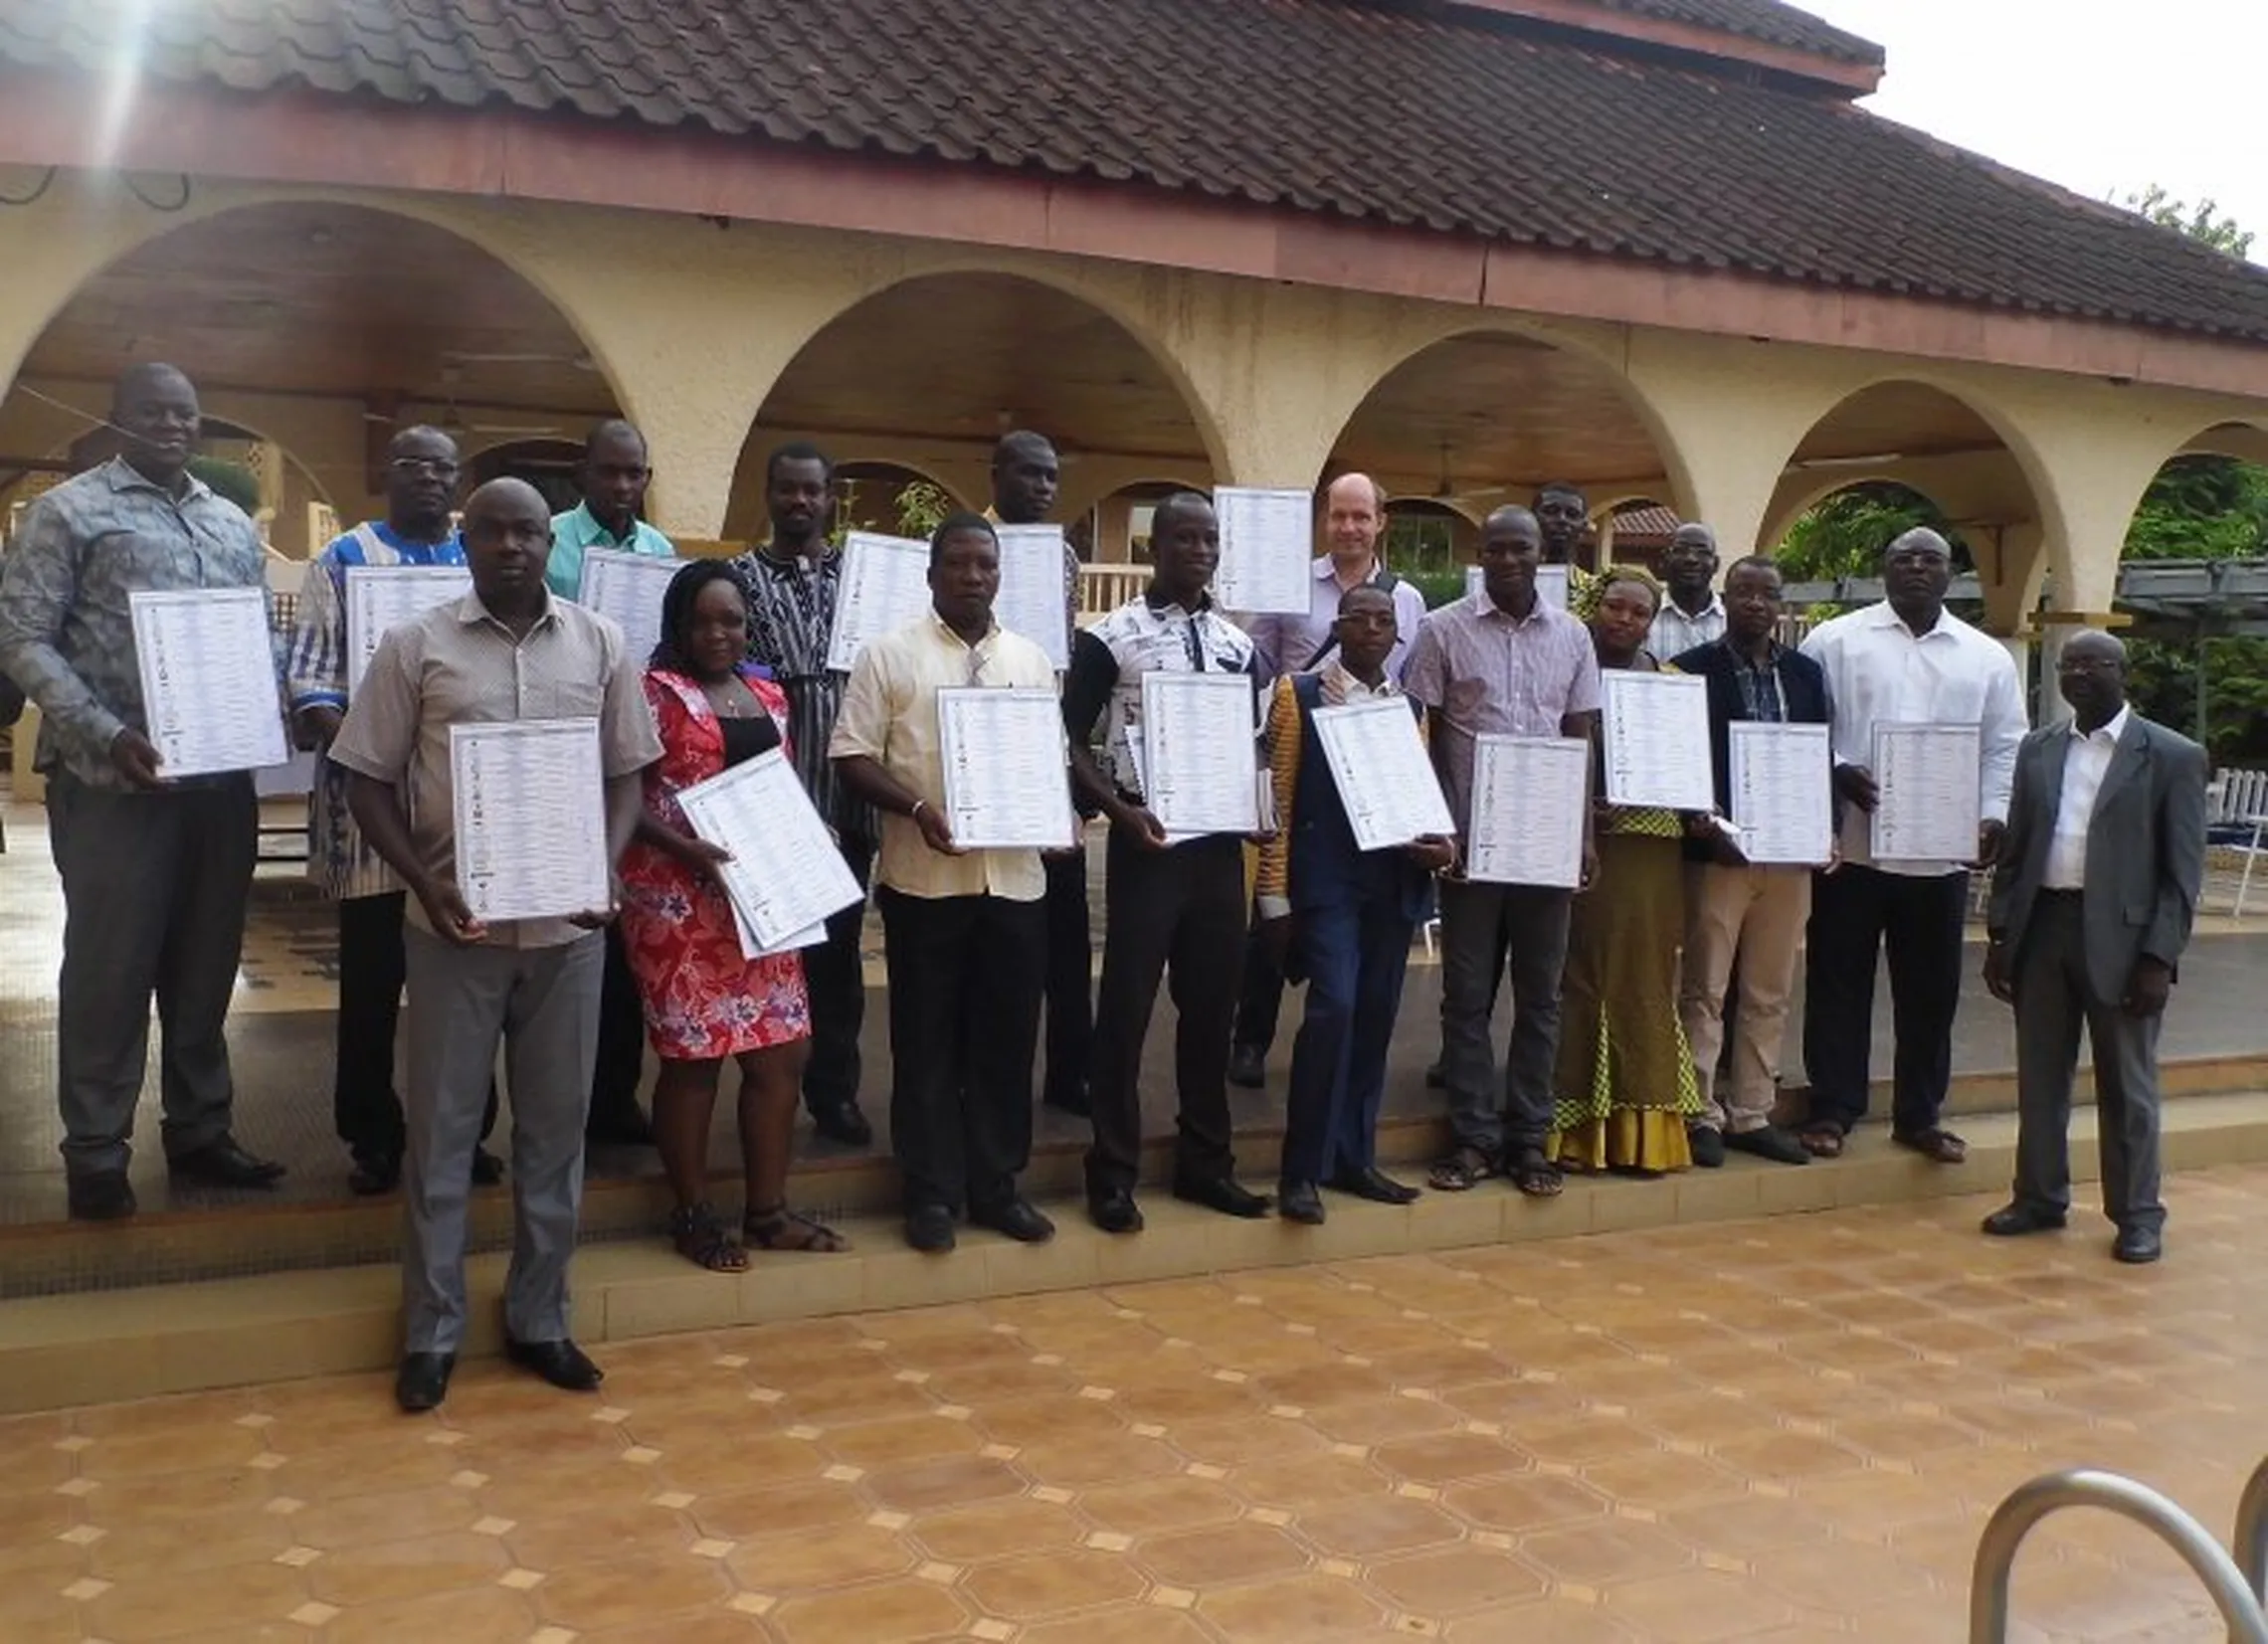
(252, 1236)
(58, 1350)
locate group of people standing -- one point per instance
(1620, 990)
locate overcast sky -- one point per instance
(2101, 97)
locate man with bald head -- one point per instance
(1353, 527)
(155, 872)
(508, 650)
(1692, 616)
(2091, 903)
(1907, 660)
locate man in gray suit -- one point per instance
(2092, 902)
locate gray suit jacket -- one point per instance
(2145, 848)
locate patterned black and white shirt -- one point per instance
(789, 619)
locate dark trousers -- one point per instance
(1487, 929)
(1356, 954)
(965, 975)
(1177, 912)
(1260, 995)
(836, 976)
(621, 1061)
(154, 896)
(1070, 976)
(1855, 913)
(2053, 1002)
(366, 1110)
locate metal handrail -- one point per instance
(2015, 1518)
(2252, 1543)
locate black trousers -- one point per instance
(965, 975)
(836, 976)
(1177, 912)
(366, 1110)
(1259, 997)
(1855, 913)
(1070, 976)
(621, 1061)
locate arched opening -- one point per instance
(1637, 531)
(334, 323)
(888, 498)
(1485, 418)
(925, 377)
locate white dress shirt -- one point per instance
(2084, 762)
(1289, 643)
(1880, 672)
(1676, 632)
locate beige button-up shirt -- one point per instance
(457, 665)
(889, 715)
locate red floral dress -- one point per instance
(703, 1000)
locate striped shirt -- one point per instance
(315, 678)
(791, 616)
(456, 665)
(1487, 673)
(1109, 660)
(66, 631)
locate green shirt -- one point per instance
(579, 529)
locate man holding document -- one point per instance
(155, 863)
(965, 923)
(1928, 716)
(1175, 902)
(535, 698)
(1746, 894)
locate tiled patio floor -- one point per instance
(1784, 1431)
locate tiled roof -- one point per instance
(1376, 110)
(1765, 20)
(1646, 523)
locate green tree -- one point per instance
(232, 480)
(2204, 507)
(2201, 223)
(1843, 535)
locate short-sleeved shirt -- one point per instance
(578, 530)
(1487, 673)
(889, 715)
(66, 631)
(1109, 660)
(457, 665)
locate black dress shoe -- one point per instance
(100, 1195)
(929, 1229)
(374, 1174)
(2138, 1246)
(1114, 1210)
(2015, 1221)
(1707, 1145)
(617, 1126)
(1018, 1219)
(1247, 1067)
(1299, 1201)
(422, 1381)
(1222, 1193)
(223, 1164)
(843, 1122)
(488, 1168)
(560, 1363)
(1070, 1099)
(1376, 1186)
(1769, 1142)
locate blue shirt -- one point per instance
(579, 529)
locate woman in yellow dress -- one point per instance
(1623, 1084)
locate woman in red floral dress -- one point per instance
(704, 1000)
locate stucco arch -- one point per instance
(2246, 440)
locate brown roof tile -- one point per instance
(1382, 110)
(1765, 20)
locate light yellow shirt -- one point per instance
(889, 715)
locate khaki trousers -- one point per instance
(1758, 915)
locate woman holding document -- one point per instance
(705, 1000)
(1624, 1087)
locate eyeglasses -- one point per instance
(433, 466)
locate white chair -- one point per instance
(2242, 804)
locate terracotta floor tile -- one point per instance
(939, 1484)
(1377, 1527)
(904, 1440)
(1000, 1530)
(1223, 1555)
(819, 1558)
(563, 1538)
(1236, 1443)
(1296, 1610)
(154, 1547)
(1101, 1459)
(475, 1615)
(1310, 1480)
(1125, 1624)
(1446, 1458)
(717, 1627)
(1454, 1579)
(589, 1597)
(391, 1572)
(1544, 1621)
(1596, 1554)
(388, 1516)
(1041, 1585)
(892, 1612)
(1524, 1501)
(783, 1510)
(1700, 1606)
(191, 1601)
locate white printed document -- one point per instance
(786, 874)
(1930, 785)
(1551, 584)
(208, 679)
(1781, 788)
(1033, 599)
(1007, 772)
(629, 588)
(1267, 550)
(885, 585)
(1529, 797)
(380, 597)
(1200, 767)
(1656, 743)
(1379, 765)
(531, 818)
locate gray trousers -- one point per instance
(153, 896)
(2053, 1002)
(543, 1005)
(1524, 929)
